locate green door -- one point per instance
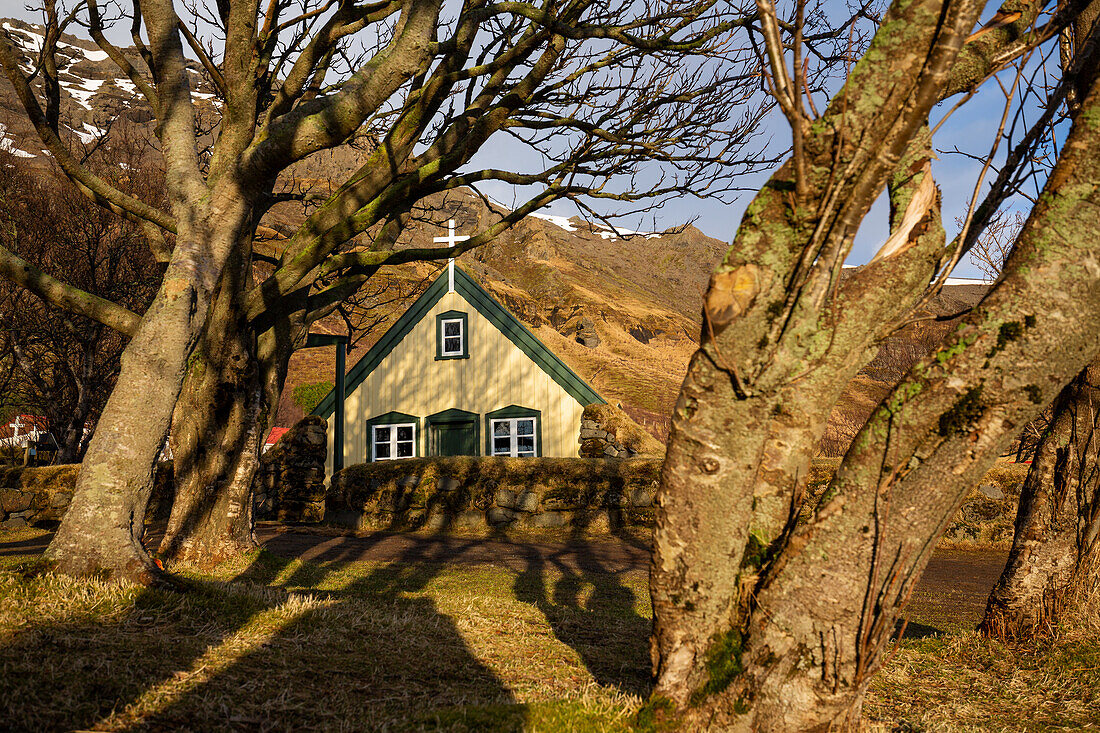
(455, 439)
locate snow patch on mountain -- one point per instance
(32, 42)
(8, 147)
(87, 133)
(559, 221)
(83, 91)
(126, 85)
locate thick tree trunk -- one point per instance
(224, 411)
(216, 433)
(1053, 570)
(823, 599)
(782, 338)
(103, 527)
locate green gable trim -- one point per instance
(393, 418)
(524, 340)
(390, 339)
(513, 411)
(452, 415)
(495, 313)
(452, 316)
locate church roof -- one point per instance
(494, 312)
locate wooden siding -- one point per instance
(496, 375)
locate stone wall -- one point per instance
(494, 492)
(40, 496)
(290, 483)
(607, 432)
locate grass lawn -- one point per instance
(277, 644)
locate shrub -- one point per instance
(308, 396)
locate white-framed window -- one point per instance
(390, 442)
(452, 336)
(514, 436)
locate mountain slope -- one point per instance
(622, 310)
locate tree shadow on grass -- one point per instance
(913, 630)
(95, 648)
(283, 645)
(592, 611)
(345, 650)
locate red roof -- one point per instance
(28, 424)
(273, 436)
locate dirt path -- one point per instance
(951, 593)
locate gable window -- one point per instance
(451, 337)
(392, 436)
(514, 431)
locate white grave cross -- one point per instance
(450, 240)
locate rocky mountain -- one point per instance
(622, 308)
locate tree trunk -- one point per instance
(1053, 570)
(223, 413)
(823, 598)
(103, 527)
(783, 335)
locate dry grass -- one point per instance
(963, 682)
(284, 644)
(270, 643)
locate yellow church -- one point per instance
(457, 374)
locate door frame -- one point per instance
(452, 416)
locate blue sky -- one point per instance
(970, 128)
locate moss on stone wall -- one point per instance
(499, 492)
(40, 495)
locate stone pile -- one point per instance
(607, 432)
(599, 443)
(290, 482)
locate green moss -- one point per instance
(757, 551)
(723, 664)
(1006, 334)
(946, 354)
(964, 412)
(658, 714)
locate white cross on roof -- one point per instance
(450, 240)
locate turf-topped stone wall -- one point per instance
(290, 483)
(494, 492)
(607, 432)
(40, 496)
(35, 495)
